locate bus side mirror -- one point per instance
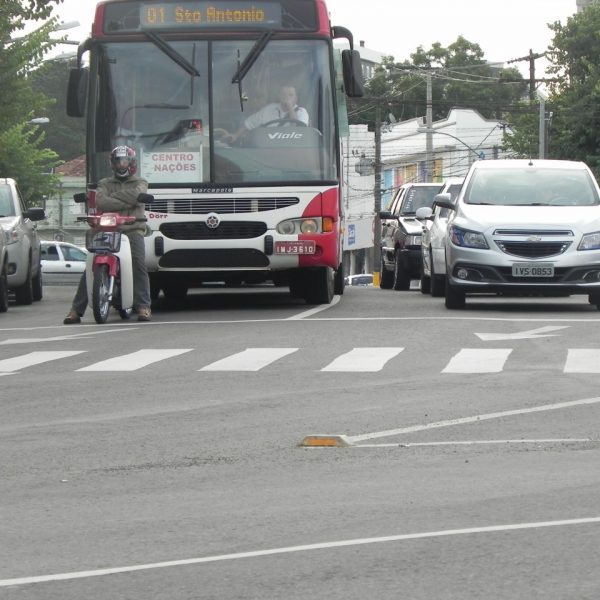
(76, 92)
(352, 73)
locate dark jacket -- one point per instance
(120, 195)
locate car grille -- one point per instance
(532, 249)
(222, 206)
(227, 230)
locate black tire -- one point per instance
(339, 281)
(438, 283)
(24, 293)
(401, 277)
(455, 299)
(425, 283)
(125, 313)
(387, 277)
(319, 286)
(3, 292)
(38, 285)
(175, 291)
(100, 299)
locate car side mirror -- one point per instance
(424, 213)
(445, 201)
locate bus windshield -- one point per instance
(194, 122)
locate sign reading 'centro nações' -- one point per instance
(209, 14)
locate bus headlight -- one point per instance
(298, 226)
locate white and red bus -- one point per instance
(170, 79)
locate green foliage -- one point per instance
(23, 158)
(65, 135)
(574, 100)
(460, 78)
(21, 153)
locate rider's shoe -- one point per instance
(143, 314)
(72, 318)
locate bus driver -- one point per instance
(286, 109)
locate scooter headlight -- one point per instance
(108, 221)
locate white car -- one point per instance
(433, 250)
(360, 279)
(62, 261)
(526, 227)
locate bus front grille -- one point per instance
(221, 206)
(227, 230)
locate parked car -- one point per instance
(401, 235)
(527, 227)
(433, 259)
(362, 279)
(62, 261)
(23, 243)
(3, 272)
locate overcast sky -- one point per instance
(505, 29)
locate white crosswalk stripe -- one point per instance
(251, 359)
(134, 361)
(9, 365)
(357, 360)
(362, 360)
(478, 360)
(583, 361)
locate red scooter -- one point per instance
(109, 271)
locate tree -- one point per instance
(63, 134)
(20, 53)
(574, 98)
(460, 77)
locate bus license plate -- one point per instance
(307, 247)
(533, 270)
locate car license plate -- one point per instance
(533, 270)
(302, 247)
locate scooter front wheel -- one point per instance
(100, 294)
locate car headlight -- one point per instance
(466, 238)
(13, 235)
(590, 241)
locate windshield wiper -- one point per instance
(247, 63)
(163, 46)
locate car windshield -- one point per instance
(417, 197)
(530, 186)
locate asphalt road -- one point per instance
(164, 460)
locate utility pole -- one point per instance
(377, 197)
(429, 134)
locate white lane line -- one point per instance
(314, 311)
(135, 360)
(61, 338)
(582, 361)
(474, 419)
(251, 359)
(303, 548)
(473, 443)
(478, 360)
(9, 365)
(363, 360)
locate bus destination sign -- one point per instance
(203, 15)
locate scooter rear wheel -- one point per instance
(100, 295)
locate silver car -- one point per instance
(433, 246)
(23, 243)
(526, 227)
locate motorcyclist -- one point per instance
(120, 194)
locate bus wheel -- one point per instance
(319, 286)
(339, 281)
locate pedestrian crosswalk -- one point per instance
(355, 360)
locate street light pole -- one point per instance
(429, 133)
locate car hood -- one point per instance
(483, 217)
(8, 222)
(411, 225)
